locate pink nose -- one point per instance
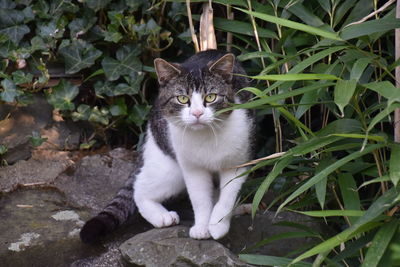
(197, 113)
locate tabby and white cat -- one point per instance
(187, 145)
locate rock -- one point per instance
(245, 233)
(42, 168)
(173, 247)
(38, 228)
(95, 179)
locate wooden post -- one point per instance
(397, 45)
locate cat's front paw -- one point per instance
(199, 232)
(219, 229)
(166, 219)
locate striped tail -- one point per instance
(114, 214)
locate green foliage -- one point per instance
(97, 53)
(327, 83)
(331, 86)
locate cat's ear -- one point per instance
(224, 66)
(165, 71)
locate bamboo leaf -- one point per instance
(384, 113)
(267, 182)
(386, 89)
(348, 189)
(295, 77)
(293, 25)
(359, 67)
(332, 213)
(394, 164)
(318, 177)
(384, 178)
(379, 244)
(265, 260)
(369, 27)
(363, 224)
(344, 90)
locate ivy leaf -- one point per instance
(82, 113)
(97, 4)
(139, 114)
(28, 14)
(119, 108)
(80, 26)
(134, 81)
(135, 4)
(9, 90)
(112, 36)
(103, 88)
(50, 30)
(37, 43)
(85, 146)
(20, 77)
(7, 4)
(79, 55)
(61, 95)
(36, 139)
(12, 24)
(3, 150)
(126, 63)
(58, 7)
(99, 115)
(7, 48)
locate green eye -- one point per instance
(182, 99)
(210, 98)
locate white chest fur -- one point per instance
(222, 146)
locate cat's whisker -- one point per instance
(215, 135)
(183, 135)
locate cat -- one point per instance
(186, 145)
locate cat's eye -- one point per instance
(210, 98)
(182, 99)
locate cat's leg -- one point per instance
(158, 181)
(222, 211)
(200, 189)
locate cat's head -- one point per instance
(190, 94)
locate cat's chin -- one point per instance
(197, 126)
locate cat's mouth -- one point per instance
(197, 125)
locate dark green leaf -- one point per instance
(99, 116)
(271, 260)
(394, 164)
(79, 55)
(3, 150)
(20, 77)
(126, 63)
(379, 243)
(61, 95)
(344, 90)
(36, 139)
(318, 177)
(82, 113)
(369, 27)
(119, 108)
(97, 4)
(9, 91)
(138, 114)
(241, 27)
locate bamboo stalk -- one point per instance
(397, 45)
(194, 37)
(207, 33)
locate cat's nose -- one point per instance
(197, 113)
